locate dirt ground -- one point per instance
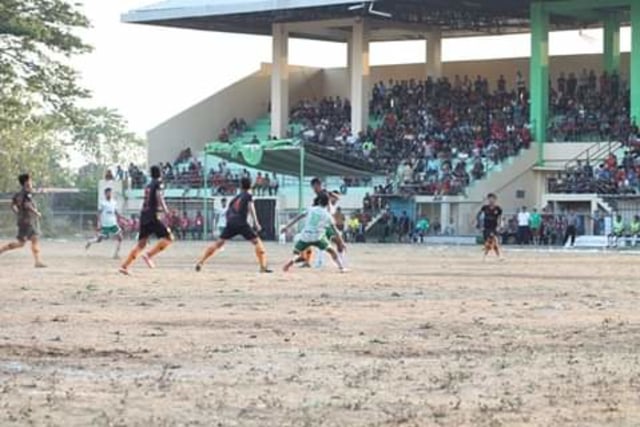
(412, 336)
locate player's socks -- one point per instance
(147, 260)
(159, 247)
(261, 255)
(319, 259)
(208, 253)
(133, 255)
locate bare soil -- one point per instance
(412, 336)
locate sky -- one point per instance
(150, 74)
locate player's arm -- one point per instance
(28, 205)
(162, 202)
(254, 216)
(293, 222)
(14, 206)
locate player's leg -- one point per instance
(24, 234)
(210, 252)
(298, 254)
(261, 253)
(334, 255)
(12, 246)
(35, 250)
(119, 238)
(97, 239)
(144, 233)
(163, 233)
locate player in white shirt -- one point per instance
(108, 222)
(314, 232)
(221, 221)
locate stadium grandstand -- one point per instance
(429, 140)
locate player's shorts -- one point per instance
(233, 230)
(154, 228)
(109, 231)
(300, 247)
(26, 232)
(488, 234)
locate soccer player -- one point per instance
(108, 222)
(27, 214)
(491, 213)
(314, 232)
(240, 207)
(222, 216)
(150, 223)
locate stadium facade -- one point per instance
(271, 91)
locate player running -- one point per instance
(238, 210)
(314, 232)
(150, 223)
(108, 223)
(491, 213)
(27, 215)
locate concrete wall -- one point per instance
(335, 79)
(247, 98)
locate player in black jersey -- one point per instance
(491, 214)
(150, 223)
(238, 210)
(27, 215)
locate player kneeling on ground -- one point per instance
(27, 213)
(108, 223)
(313, 234)
(240, 207)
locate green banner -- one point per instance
(252, 154)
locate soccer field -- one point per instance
(412, 336)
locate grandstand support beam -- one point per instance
(635, 63)
(612, 43)
(280, 82)
(434, 54)
(539, 76)
(360, 74)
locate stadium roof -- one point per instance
(408, 17)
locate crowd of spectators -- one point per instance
(234, 129)
(588, 107)
(612, 176)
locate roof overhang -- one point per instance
(331, 19)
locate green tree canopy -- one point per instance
(36, 38)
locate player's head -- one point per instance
(156, 172)
(223, 202)
(316, 184)
(245, 184)
(25, 181)
(107, 193)
(491, 198)
(322, 200)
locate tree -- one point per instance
(36, 36)
(102, 136)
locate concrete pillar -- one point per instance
(349, 64)
(360, 75)
(434, 54)
(280, 82)
(445, 215)
(612, 43)
(539, 75)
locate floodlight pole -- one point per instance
(635, 62)
(539, 75)
(205, 209)
(301, 183)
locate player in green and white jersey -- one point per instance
(108, 222)
(313, 234)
